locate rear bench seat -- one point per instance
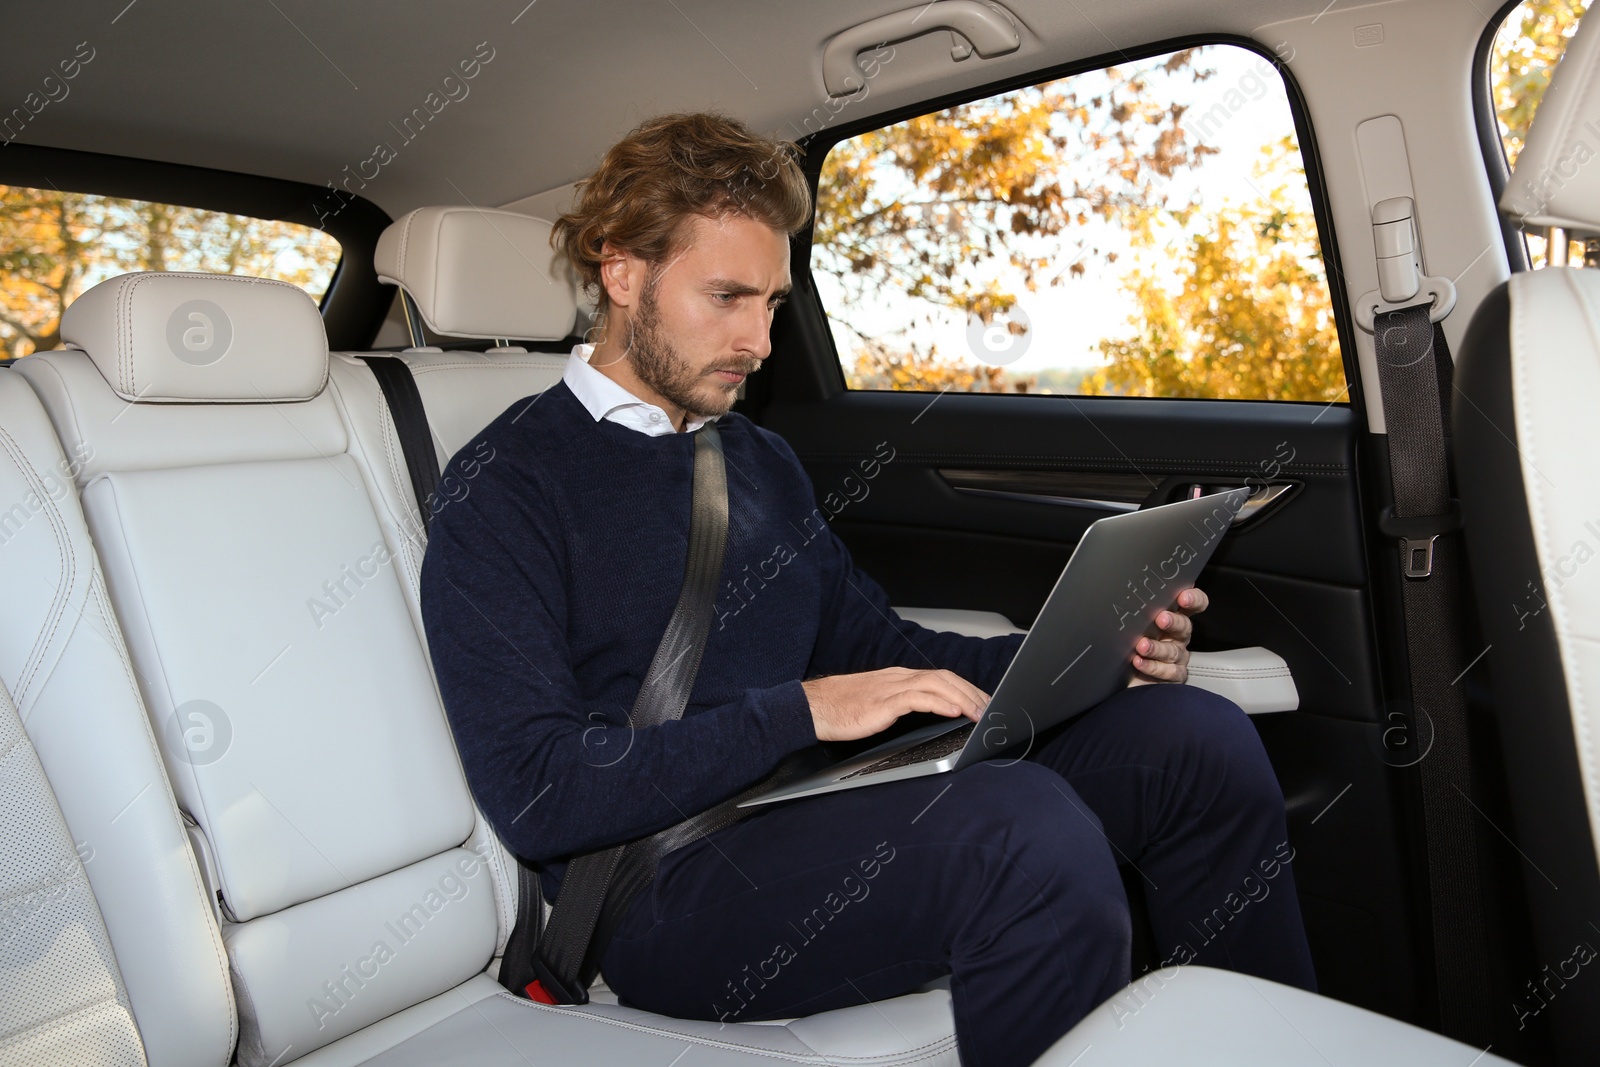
(355, 881)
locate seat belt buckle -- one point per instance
(546, 988)
(1416, 536)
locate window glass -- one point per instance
(54, 245)
(1530, 43)
(1143, 230)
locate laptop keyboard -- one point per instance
(932, 749)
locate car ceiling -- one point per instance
(301, 90)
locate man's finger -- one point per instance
(967, 687)
(1160, 651)
(1160, 672)
(1193, 601)
(940, 694)
(1175, 624)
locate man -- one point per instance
(546, 591)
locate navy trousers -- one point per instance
(1002, 876)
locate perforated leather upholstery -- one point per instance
(61, 995)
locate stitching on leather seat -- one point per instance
(926, 1050)
(66, 566)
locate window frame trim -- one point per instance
(1490, 144)
(817, 145)
(355, 304)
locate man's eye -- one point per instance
(723, 298)
(777, 302)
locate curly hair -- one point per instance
(669, 169)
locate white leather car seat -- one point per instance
(1528, 383)
(483, 275)
(251, 572)
(63, 662)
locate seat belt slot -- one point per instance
(1417, 536)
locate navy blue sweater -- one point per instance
(550, 575)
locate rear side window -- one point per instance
(1529, 44)
(1142, 230)
(54, 245)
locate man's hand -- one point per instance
(1166, 658)
(845, 707)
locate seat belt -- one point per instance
(557, 964)
(411, 426)
(1415, 375)
(599, 886)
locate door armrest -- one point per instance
(1256, 679)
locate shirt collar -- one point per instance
(603, 398)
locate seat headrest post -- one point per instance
(413, 320)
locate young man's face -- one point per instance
(698, 324)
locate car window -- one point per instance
(54, 245)
(1529, 44)
(1141, 230)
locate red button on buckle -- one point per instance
(537, 992)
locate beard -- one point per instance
(663, 368)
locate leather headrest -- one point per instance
(479, 273)
(1557, 177)
(201, 338)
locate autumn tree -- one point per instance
(55, 244)
(1245, 313)
(926, 208)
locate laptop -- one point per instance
(1124, 572)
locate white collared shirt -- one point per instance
(603, 398)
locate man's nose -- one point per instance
(755, 332)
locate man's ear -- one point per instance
(623, 275)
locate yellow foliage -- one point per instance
(1250, 316)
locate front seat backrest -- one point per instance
(1528, 381)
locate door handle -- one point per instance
(1262, 498)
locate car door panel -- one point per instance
(1295, 582)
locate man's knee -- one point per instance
(1208, 737)
(1025, 815)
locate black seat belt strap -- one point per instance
(559, 964)
(1414, 375)
(599, 886)
(411, 426)
(561, 960)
